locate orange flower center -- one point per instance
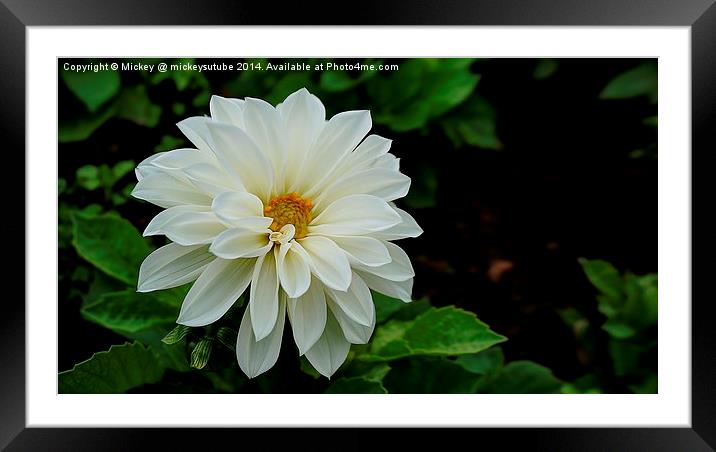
(289, 209)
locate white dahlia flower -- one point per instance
(292, 206)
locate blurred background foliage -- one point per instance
(534, 180)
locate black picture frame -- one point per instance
(699, 15)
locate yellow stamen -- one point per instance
(290, 209)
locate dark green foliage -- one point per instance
(120, 368)
(110, 243)
(630, 304)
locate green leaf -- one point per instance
(607, 306)
(176, 335)
(121, 198)
(170, 356)
(335, 81)
(134, 105)
(640, 81)
(650, 294)
(586, 384)
(474, 123)
(114, 371)
(640, 309)
(485, 362)
(356, 385)
(385, 306)
(479, 132)
(130, 311)
(121, 169)
(411, 310)
(88, 177)
(626, 357)
(92, 88)
(368, 370)
(100, 285)
(521, 377)
(420, 375)
(382, 90)
(182, 78)
(450, 331)
(227, 336)
(618, 330)
(421, 90)
(415, 116)
(603, 276)
(111, 244)
(91, 177)
(545, 68)
(81, 128)
(201, 353)
(446, 90)
(178, 108)
(438, 332)
(650, 385)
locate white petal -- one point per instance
(211, 179)
(216, 290)
(339, 137)
(232, 206)
(293, 269)
(256, 357)
(241, 242)
(195, 130)
(308, 316)
(227, 110)
(263, 303)
(165, 216)
(354, 215)
(363, 250)
(240, 155)
(383, 183)
(182, 158)
(327, 261)
(331, 350)
(406, 228)
(387, 161)
(166, 190)
(364, 156)
(304, 117)
(263, 125)
(401, 290)
(372, 148)
(193, 228)
(289, 232)
(356, 302)
(398, 269)
(172, 265)
(259, 224)
(146, 166)
(354, 332)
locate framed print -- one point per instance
(360, 226)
